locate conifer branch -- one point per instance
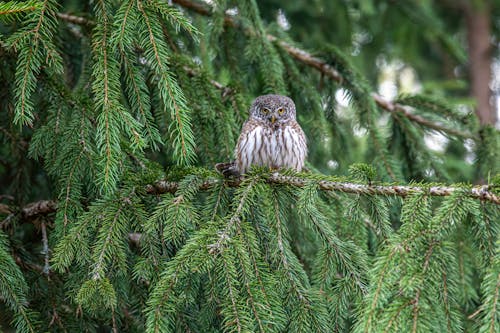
(31, 42)
(480, 192)
(377, 293)
(190, 71)
(39, 208)
(97, 272)
(28, 265)
(404, 111)
(13, 7)
(307, 59)
(327, 70)
(416, 299)
(75, 19)
(260, 283)
(170, 92)
(19, 304)
(235, 219)
(283, 256)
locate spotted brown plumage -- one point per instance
(271, 136)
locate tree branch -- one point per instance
(39, 208)
(479, 192)
(301, 56)
(329, 71)
(404, 111)
(75, 19)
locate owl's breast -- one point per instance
(273, 147)
(285, 148)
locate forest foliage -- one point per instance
(112, 216)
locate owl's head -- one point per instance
(274, 109)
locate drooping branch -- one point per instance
(190, 71)
(301, 56)
(327, 70)
(404, 111)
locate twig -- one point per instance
(75, 19)
(7, 197)
(38, 208)
(224, 236)
(225, 90)
(28, 265)
(5, 209)
(474, 314)
(6, 221)
(404, 110)
(308, 59)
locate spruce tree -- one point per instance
(112, 216)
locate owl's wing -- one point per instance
(231, 169)
(248, 146)
(301, 136)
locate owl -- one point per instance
(270, 137)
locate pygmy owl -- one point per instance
(271, 136)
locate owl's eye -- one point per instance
(281, 111)
(264, 111)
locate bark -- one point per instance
(480, 57)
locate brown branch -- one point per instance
(5, 209)
(75, 19)
(404, 110)
(477, 192)
(481, 192)
(7, 197)
(225, 90)
(474, 314)
(39, 208)
(308, 59)
(28, 265)
(45, 207)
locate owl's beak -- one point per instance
(273, 119)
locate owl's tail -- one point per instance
(228, 169)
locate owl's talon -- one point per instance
(227, 169)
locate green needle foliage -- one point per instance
(112, 217)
